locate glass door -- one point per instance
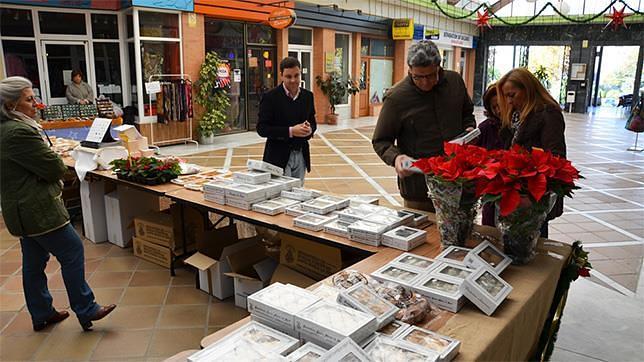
(61, 58)
(304, 56)
(262, 71)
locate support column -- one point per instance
(401, 47)
(323, 43)
(355, 70)
(282, 44)
(194, 54)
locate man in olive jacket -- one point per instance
(425, 109)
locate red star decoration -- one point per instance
(483, 19)
(617, 18)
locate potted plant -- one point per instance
(213, 97)
(335, 88)
(146, 170)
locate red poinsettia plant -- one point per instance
(459, 164)
(510, 175)
(148, 170)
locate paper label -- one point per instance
(153, 87)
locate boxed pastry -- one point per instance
(388, 220)
(404, 238)
(454, 254)
(327, 292)
(446, 347)
(278, 303)
(391, 217)
(318, 206)
(363, 199)
(398, 273)
(255, 334)
(354, 213)
(347, 350)
(294, 195)
(393, 329)
(273, 189)
(312, 221)
(241, 203)
(307, 353)
(295, 210)
(365, 299)
(240, 350)
(251, 177)
(340, 202)
(421, 220)
(327, 324)
(245, 192)
(258, 165)
(268, 207)
(441, 290)
(488, 255)
(386, 349)
(287, 182)
(366, 232)
(486, 290)
(452, 270)
(338, 227)
(417, 262)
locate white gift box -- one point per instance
(441, 290)
(340, 202)
(240, 350)
(288, 182)
(294, 195)
(366, 232)
(452, 270)
(221, 200)
(327, 324)
(246, 192)
(255, 334)
(365, 299)
(268, 207)
(397, 273)
(352, 214)
(278, 303)
(295, 210)
(420, 218)
(273, 189)
(312, 221)
(251, 177)
(241, 203)
(393, 329)
(488, 255)
(390, 217)
(338, 227)
(318, 206)
(446, 347)
(404, 238)
(413, 261)
(454, 254)
(362, 199)
(327, 292)
(308, 352)
(314, 193)
(486, 290)
(386, 349)
(264, 166)
(345, 351)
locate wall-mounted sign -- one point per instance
(185, 5)
(281, 18)
(455, 39)
(223, 75)
(402, 29)
(432, 34)
(419, 31)
(329, 62)
(578, 71)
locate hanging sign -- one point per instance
(281, 18)
(152, 87)
(432, 34)
(456, 39)
(418, 31)
(402, 29)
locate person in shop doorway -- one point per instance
(33, 210)
(287, 120)
(79, 92)
(422, 111)
(531, 117)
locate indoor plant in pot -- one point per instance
(146, 170)
(335, 88)
(212, 95)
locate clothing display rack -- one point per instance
(188, 119)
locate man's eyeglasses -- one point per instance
(428, 77)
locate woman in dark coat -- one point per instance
(531, 118)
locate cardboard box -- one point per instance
(312, 259)
(155, 227)
(92, 195)
(121, 206)
(251, 271)
(286, 275)
(157, 254)
(486, 290)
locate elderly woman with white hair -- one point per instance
(33, 210)
(425, 109)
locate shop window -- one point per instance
(105, 26)
(107, 66)
(16, 22)
(299, 36)
(133, 81)
(341, 60)
(158, 58)
(20, 59)
(129, 23)
(447, 59)
(260, 34)
(364, 46)
(158, 25)
(380, 78)
(62, 23)
(381, 48)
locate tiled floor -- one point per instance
(158, 315)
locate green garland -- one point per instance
(459, 14)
